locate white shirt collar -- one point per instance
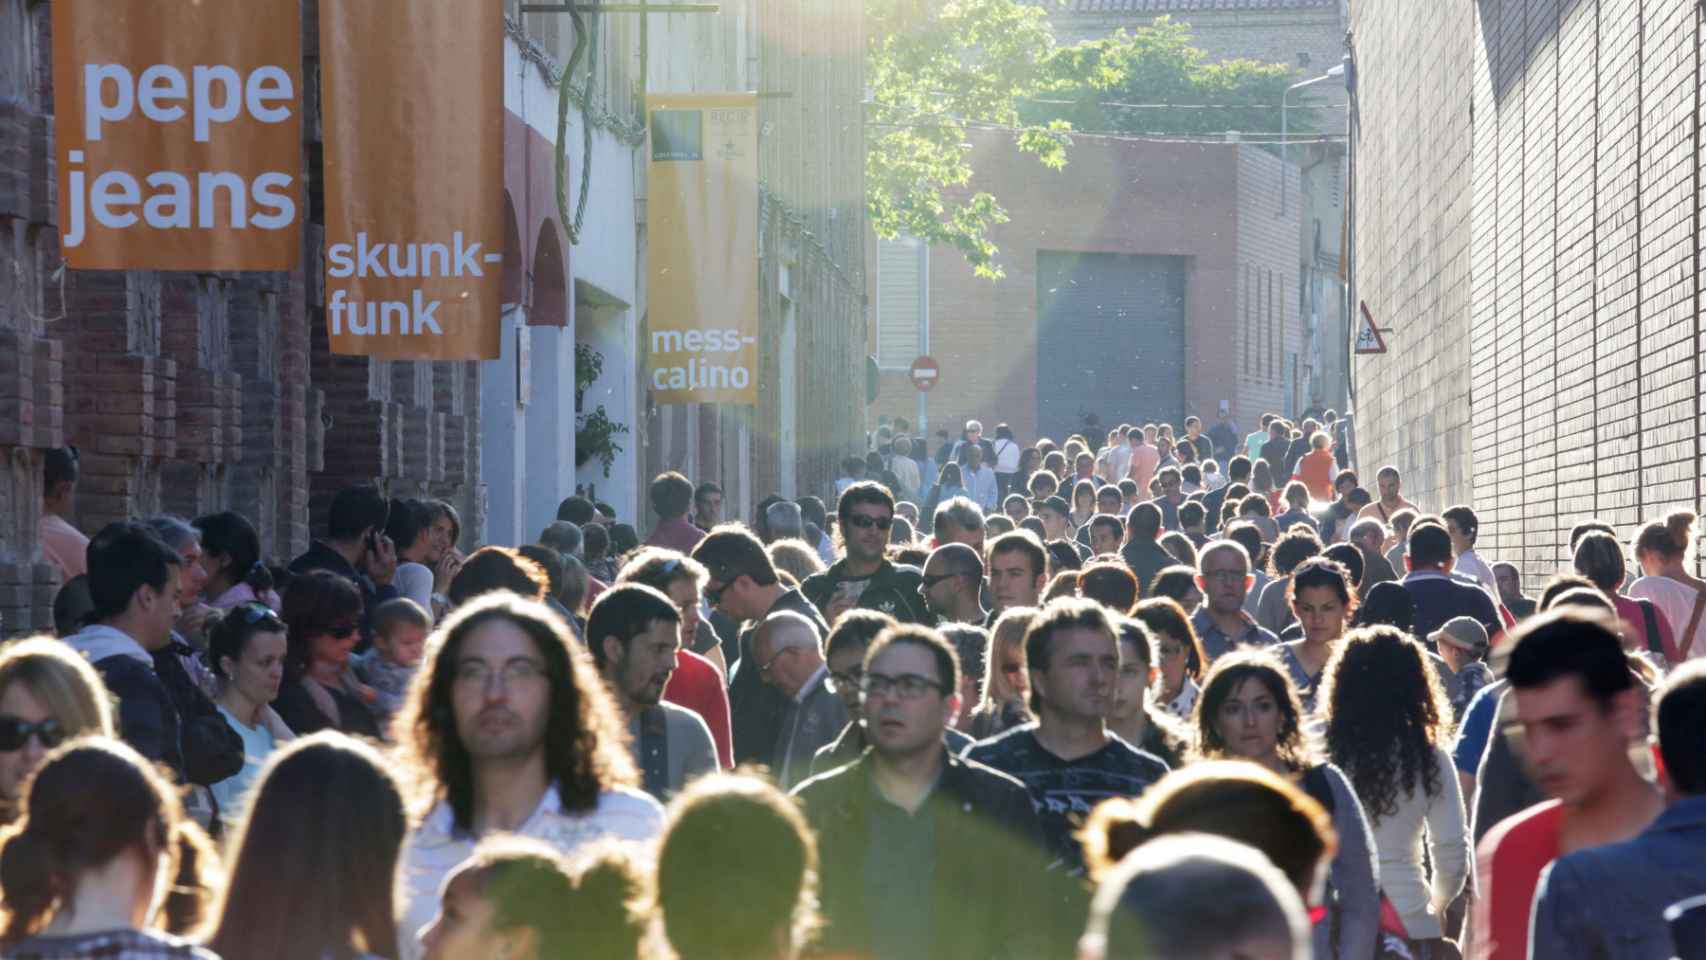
(811, 683)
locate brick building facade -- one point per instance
(1215, 207)
(1529, 210)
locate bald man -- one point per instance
(788, 655)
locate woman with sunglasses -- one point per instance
(247, 651)
(1250, 711)
(1179, 656)
(322, 616)
(48, 694)
(1006, 687)
(1322, 599)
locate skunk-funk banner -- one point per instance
(178, 132)
(412, 101)
(702, 228)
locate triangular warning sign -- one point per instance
(1369, 339)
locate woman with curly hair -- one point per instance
(1250, 711)
(1387, 717)
(1323, 600)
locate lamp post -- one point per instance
(1332, 74)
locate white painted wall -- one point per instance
(528, 451)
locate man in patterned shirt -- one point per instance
(1068, 760)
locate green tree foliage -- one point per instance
(1159, 65)
(940, 67)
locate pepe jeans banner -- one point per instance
(178, 134)
(702, 224)
(413, 116)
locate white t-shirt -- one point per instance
(434, 849)
(1006, 456)
(1676, 600)
(1471, 565)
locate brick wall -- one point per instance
(1216, 204)
(184, 392)
(1582, 305)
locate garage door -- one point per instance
(1110, 341)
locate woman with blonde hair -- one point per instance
(1664, 551)
(1006, 685)
(48, 694)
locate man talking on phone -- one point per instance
(357, 549)
(863, 577)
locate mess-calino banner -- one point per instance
(413, 114)
(178, 131)
(702, 225)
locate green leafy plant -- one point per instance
(595, 432)
(939, 68)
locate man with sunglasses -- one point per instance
(357, 549)
(789, 656)
(743, 585)
(922, 853)
(952, 585)
(864, 578)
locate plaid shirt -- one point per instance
(109, 945)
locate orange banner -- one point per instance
(178, 132)
(702, 247)
(413, 116)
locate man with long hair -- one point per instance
(508, 729)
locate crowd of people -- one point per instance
(1172, 695)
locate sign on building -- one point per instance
(1369, 339)
(702, 225)
(178, 133)
(413, 116)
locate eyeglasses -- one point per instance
(15, 732)
(764, 668)
(849, 680)
(907, 686)
(865, 521)
(477, 674)
(930, 581)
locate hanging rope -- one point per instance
(573, 224)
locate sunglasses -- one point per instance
(866, 522)
(930, 581)
(714, 595)
(15, 732)
(344, 629)
(253, 612)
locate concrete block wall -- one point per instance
(1584, 235)
(1412, 200)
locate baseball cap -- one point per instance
(1466, 633)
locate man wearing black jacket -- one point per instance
(863, 578)
(357, 549)
(133, 581)
(743, 585)
(923, 854)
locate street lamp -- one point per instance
(1332, 74)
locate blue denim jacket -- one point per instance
(1609, 902)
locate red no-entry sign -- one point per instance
(925, 373)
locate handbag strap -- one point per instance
(1686, 642)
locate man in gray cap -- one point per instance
(1462, 643)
